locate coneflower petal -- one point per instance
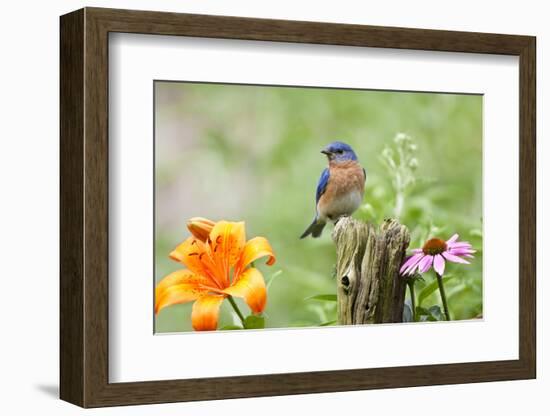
(411, 262)
(460, 251)
(459, 245)
(452, 239)
(454, 259)
(439, 264)
(425, 263)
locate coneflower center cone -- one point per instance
(434, 246)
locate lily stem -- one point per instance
(236, 308)
(413, 300)
(443, 296)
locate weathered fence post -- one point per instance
(370, 289)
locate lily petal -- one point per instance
(250, 287)
(254, 249)
(179, 287)
(206, 310)
(439, 264)
(196, 255)
(227, 240)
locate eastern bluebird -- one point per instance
(340, 189)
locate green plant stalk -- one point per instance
(236, 308)
(399, 202)
(413, 300)
(443, 296)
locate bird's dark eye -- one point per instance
(339, 151)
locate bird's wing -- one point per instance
(364, 174)
(322, 185)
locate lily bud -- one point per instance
(200, 227)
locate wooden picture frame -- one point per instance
(84, 207)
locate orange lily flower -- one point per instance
(217, 267)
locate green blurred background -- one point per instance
(251, 153)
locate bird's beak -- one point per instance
(325, 152)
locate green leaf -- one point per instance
(323, 298)
(435, 312)
(328, 323)
(423, 314)
(432, 287)
(254, 322)
(230, 328)
(457, 290)
(432, 314)
(421, 311)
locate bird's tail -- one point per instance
(315, 229)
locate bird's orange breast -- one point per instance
(344, 178)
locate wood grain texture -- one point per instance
(227, 27)
(96, 209)
(527, 209)
(369, 287)
(71, 100)
(84, 206)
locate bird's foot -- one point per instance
(340, 217)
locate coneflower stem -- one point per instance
(410, 282)
(443, 296)
(236, 308)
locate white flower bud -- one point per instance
(400, 137)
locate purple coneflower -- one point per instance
(434, 253)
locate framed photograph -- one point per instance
(321, 207)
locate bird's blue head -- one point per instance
(339, 152)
